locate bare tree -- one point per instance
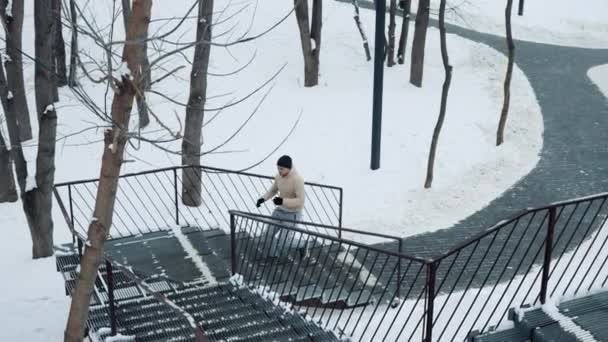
(59, 47)
(115, 140)
(12, 21)
(391, 33)
(507, 86)
(16, 154)
(422, 22)
(192, 141)
(144, 84)
(73, 45)
(406, 6)
(444, 95)
(310, 37)
(368, 55)
(38, 200)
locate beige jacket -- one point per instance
(291, 189)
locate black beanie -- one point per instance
(285, 161)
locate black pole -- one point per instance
(544, 284)
(378, 83)
(233, 244)
(430, 285)
(111, 297)
(176, 197)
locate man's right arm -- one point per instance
(272, 191)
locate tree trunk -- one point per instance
(37, 202)
(144, 83)
(422, 22)
(8, 192)
(315, 35)
(368, 55)
(507, 86)
(62, 78)
(17, 156)
(192, 142)
(115, 140)
(407, 5)
(444, 95)
(308, 37)
(14, 66)
(391, 33)
(73, 45)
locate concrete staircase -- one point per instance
(226, 311)
(581, 319)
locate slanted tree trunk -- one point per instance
(144, 83)
(191, 144)
(368, 55)
(73, 45)
(391, 34)
(115, 140)
(61, 71)
(37, 202)
(310, 37)
(8, 192)
(444, 95)
(507, 86)
(422, 22)
(13, 24)
(406, 6)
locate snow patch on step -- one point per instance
(193, 255)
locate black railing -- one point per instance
(358, 290)
(352, 288)
(132, 287)
(152, 200)
(550, 252)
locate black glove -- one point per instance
(277, 200)
(259, 202)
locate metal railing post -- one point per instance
(340, 214)
(71, 206)
(111, 297)
(431, 277)
(548, 252)
(79, 244)
(399, 268)
(233, 244)
(176, 196)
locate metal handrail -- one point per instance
(199, 332)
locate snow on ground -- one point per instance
(599, 76)
(329, 145)
(32, 299)
(559, 22)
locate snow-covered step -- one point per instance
(225, 312)
(509, 335)
(546, 323)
